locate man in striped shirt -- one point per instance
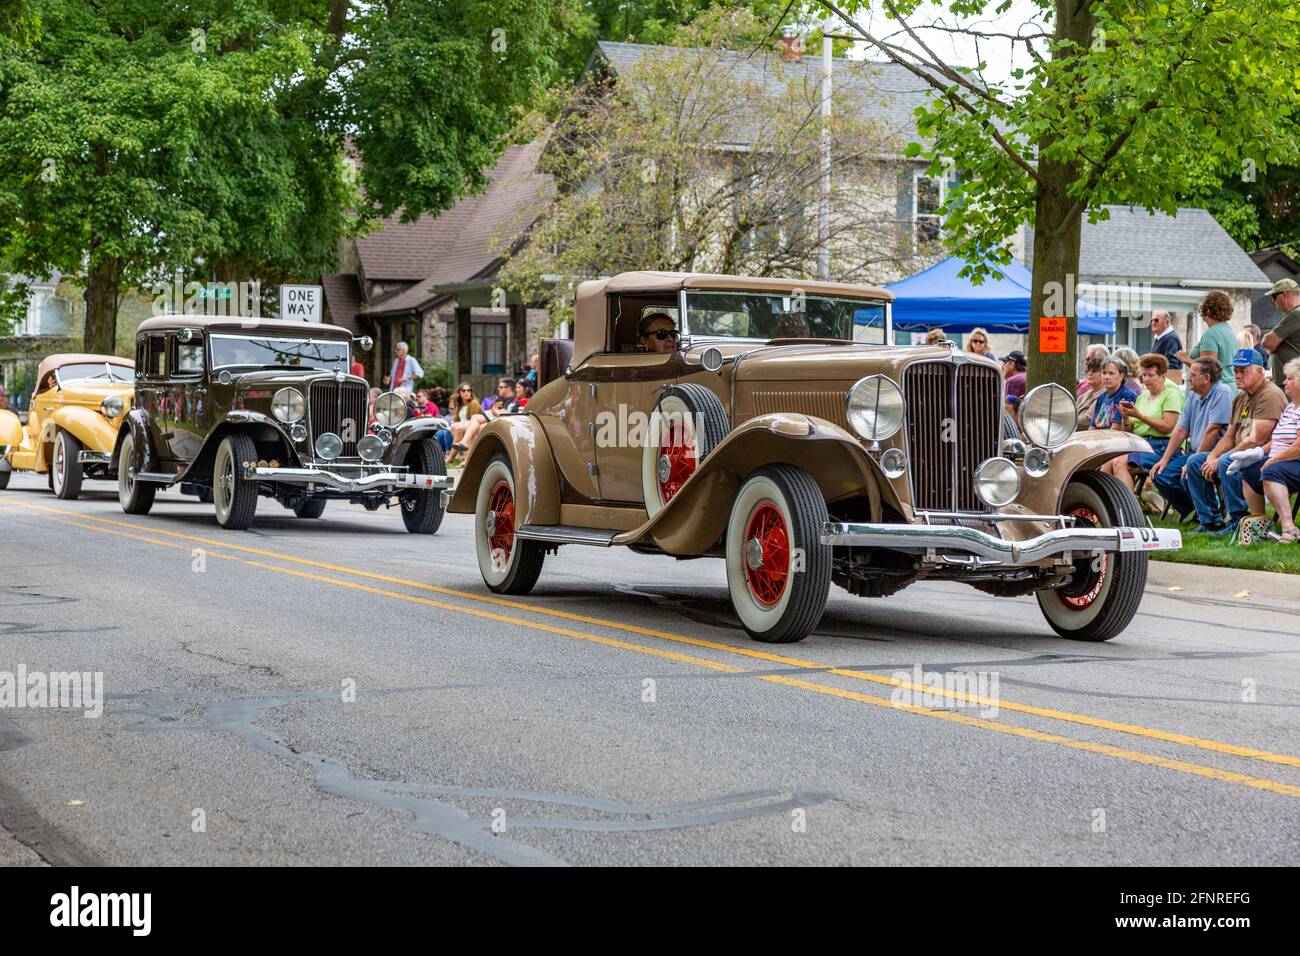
(1279, 479)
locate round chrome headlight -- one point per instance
(997, 482)
(390, 409)
(288, 406)
(1038, 461)
(111, 406)
(1048, 416)
(875, 407)
(298, 432)
(893, 463)
(371, 448)
(328, 446)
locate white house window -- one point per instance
(35, 310)
(927, 200)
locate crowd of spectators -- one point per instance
(1224, 429)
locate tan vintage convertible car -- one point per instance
(79, 402)
(770, 423)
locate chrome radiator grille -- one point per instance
(341, 409)
(954, 422)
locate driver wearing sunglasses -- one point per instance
(657, 333)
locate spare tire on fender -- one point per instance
(687, 423)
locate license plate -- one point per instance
(1150, 539)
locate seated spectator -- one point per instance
(523, 392)
(1280, 473)
(438, 396)
(1153, 415)
(1255, 413)
(1130, 359)
(498, 403)
(935, 337)
(1098, 351)
(978, 343)
(466, 419)
(1089, 389)
(1014, 368)
(534, 370)
(1207, 410)
(1105, 411)
(420, 407)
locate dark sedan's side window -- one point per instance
(151, 356)
(189, 358)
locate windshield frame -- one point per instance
(214, 337)
(683, 305)
(111, 367)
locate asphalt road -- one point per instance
(340, 692)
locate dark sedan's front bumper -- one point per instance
(979, 544)
(382, 480)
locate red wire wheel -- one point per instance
(501, 536)
(1079, 597)
(767, 554)
(676, 461)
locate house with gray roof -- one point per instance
(1144, 261)
(430, 282)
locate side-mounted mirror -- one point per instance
(366, 343)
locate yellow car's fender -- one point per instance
(11, 429)
(92, 429)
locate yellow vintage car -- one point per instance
(75, 414)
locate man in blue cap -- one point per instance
(1240, 452)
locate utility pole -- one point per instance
(824, 210)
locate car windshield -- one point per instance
(230, 350)
(105, 372)
(775, 315)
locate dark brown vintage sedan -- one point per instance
(235, 409)
(769, 423)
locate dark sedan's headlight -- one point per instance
(390, 409)
(288, 405)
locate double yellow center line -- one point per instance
(169, 539)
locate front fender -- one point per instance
(697, 515)
(11, 429)
(137, 424)
(1082, 451)
(537, 482)
(89, 427)
(409, 432)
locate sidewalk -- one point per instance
(1224, 582)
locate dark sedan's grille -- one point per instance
(341, 409)
(954, 422)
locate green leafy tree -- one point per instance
(142, 138)
(1121, 101)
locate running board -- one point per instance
(162, 477)
(561, 534)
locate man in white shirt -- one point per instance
(405, 370)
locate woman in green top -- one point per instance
(1219, 341)
(1153, 416)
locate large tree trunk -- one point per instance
(1057, 233)
(101, 308)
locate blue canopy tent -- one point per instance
(938, 298)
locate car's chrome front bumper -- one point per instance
(982, 545)
(378, 481)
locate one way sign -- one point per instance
(301, 302)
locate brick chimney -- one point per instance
(791, 45)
